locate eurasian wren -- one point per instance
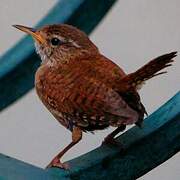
(84, 90)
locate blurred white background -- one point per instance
(133, 33)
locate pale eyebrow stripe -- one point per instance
(74, 43)
(66, 40)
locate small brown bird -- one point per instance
(84, 90)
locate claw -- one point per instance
(57, 163)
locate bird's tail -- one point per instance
(136, 80)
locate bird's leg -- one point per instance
(76, 137)
(110, 139)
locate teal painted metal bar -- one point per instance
(18, 65)
(144, 149)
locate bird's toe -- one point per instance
(57, 163)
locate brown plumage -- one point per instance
(84, 90)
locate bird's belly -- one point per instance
(66, 102)
(86, 122)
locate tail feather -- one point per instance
(148, 71)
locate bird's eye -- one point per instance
(55, 41)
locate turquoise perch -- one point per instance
(145, 149)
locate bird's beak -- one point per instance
(36, 35)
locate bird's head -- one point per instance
(59, 42)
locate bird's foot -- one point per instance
(57, 163)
